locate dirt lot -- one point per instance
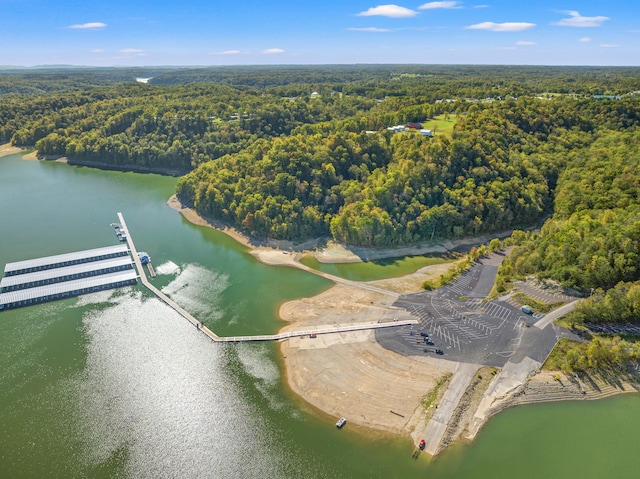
(349, 374)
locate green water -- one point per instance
(378, 269)
(115, 384)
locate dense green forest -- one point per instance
(498, 170)
(593, 238)
(294, 152)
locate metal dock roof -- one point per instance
(49, 274)
(62, 258)
(51, 290)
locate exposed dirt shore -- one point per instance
(351, 375)
(6, 150)
(549, 386)
(348, 374)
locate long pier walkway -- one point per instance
(326, 330)
(216, 338)
(156, 291)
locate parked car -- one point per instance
(424, 334)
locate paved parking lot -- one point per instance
(464, 327)
(628, 328)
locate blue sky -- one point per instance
(215, 32)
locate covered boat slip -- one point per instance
(63, 260)
(66, 289)
(62, 276)
(66, 273)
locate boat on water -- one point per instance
(341, 422)
(120, 233)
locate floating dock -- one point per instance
(62, 276)
(66, 273)
(67, 259)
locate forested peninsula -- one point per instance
(301, 152)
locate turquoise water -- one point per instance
(378, 269)
(115, 384)
(585, 439)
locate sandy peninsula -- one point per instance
(350, 375)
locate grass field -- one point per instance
(439, 125)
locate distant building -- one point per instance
(607, 97)
(315, 94)
(428, 133)
(414, 126)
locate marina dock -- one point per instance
(63, 276)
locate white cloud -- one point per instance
(97, 50)
(132, 52)
(608, 45)
(226, 52)
(391, 10)
(272, 51)
(502, 27)
(88, 26)
(585, 40)
(523, 44)
(577, 20)
(434, 5)
(370, 29)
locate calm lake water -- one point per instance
(379, 269)
(116, 384)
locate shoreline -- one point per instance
(29, 153)
(6, 150)
(342, 374)
(326, 250)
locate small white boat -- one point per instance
(341, 422)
